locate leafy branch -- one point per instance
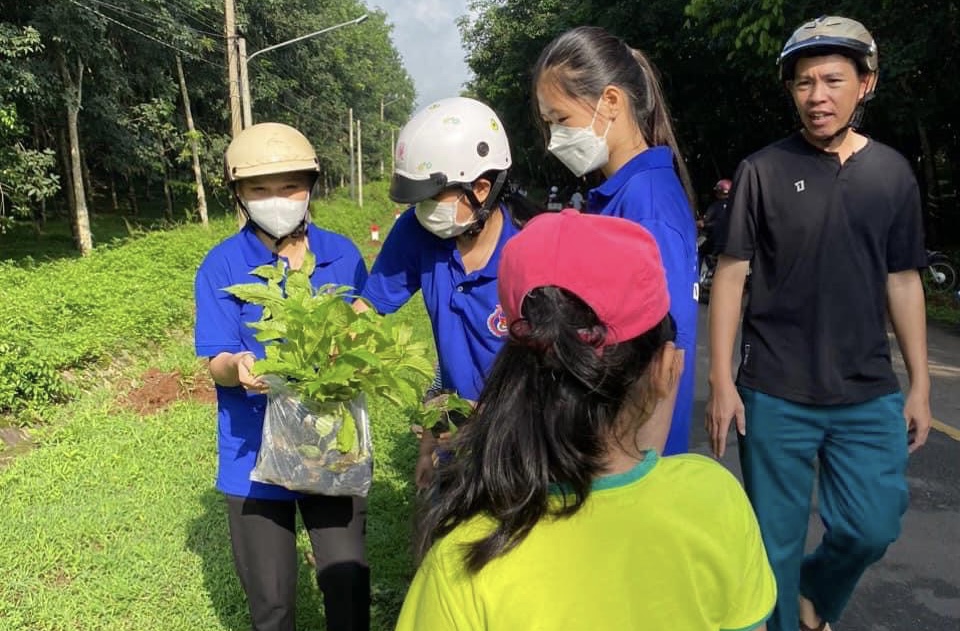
(328, 352)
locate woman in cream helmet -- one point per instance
(280, 152)
(271, 169)
(451, 165)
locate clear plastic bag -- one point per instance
(303, 448)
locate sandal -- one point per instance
(820, 627)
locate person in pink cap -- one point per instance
(557, 511)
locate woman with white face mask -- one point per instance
(602, 110)
(271, 169)
(451, 165)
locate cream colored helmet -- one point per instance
(451, 141)
(268, 149)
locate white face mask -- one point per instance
(440, 218)
(579, 148)
(277, 216)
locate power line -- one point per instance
(186, 9)
(150, 37)
(151, 19)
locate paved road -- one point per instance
(916, 587)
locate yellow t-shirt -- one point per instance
(671, 544)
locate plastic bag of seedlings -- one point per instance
(318, 448)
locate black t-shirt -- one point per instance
(822, 239)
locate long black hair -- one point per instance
(585, 60)
(547, 414)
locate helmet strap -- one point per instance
(481, 211)
(856, 118)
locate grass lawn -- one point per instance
(111, 521)
(944, 308)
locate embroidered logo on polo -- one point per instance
(497, 322)
(800, 185)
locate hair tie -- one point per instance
(522, 333)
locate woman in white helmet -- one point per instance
(451, 162)
(271, 169)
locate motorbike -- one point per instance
(708, 266)
(939, 276)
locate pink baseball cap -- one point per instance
(610, 263)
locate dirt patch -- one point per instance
(13, 441)
(57, 578)
(154, 390)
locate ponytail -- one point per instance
(655, 122)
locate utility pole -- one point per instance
(233, 76)
(230, 32)
(244, 83)
(380, 135)
(359, 168)
(383, 104)
(352, 176)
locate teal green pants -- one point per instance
(862, 493)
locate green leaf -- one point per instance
(347, 435)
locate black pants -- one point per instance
(263, 536)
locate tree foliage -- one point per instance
(26, 174)
(718, 64)
(121, 75)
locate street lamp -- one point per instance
(245, 59)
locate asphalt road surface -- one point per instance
(916, 586)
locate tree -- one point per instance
(27, 179)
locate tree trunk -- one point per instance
(74, 96)
(167, 193)
(194, 146)
(132, 196)
(929, 164)
(39, 217)
(113, 193)
(67, 178)
(87, 185)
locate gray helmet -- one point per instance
(828, 35)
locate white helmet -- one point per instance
(451, 141)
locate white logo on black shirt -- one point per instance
(801, 185)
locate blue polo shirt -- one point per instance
(469, 327)
(221, 326)
(647, 190)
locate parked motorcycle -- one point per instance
(939, 276)
(708, 266)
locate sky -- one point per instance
(425, 34)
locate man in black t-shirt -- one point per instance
(714, 228)
(715, 220)
(829, 222)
